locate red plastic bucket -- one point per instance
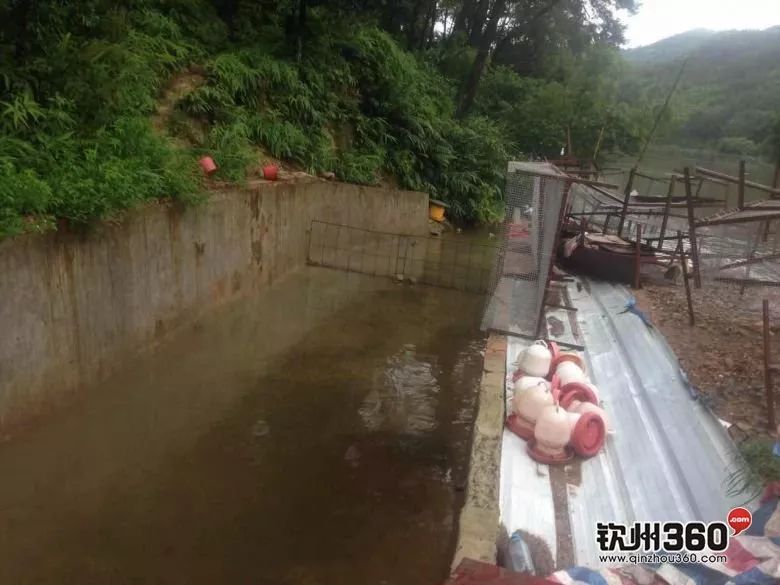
(270, 172)
(208, 165)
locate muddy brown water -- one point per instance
(317, 433)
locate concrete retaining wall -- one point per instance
(74, 306)
(478, 529)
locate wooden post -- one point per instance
(598, 143)
(768, 389)
(692, 229)
(741, 186)
(776, 179)
(606, 223)
(677, 250)
(684, 266)
(667, 209)
(626, 197)
(638, 256)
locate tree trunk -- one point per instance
(478, 22)
(429, 24)
(301, 28)
(418, 25)
(464, 15)
(483, 52)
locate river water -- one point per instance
(317, 433)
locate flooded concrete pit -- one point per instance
(316, 433)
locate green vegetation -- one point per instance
(727, 99)
(756, 467)
(426, 95)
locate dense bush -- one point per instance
(362, 108)
(76, 138)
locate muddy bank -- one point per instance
(722, 354)
(318, 433)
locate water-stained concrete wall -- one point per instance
(72, 306)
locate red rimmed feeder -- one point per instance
(561, 357)
(550, 443)
(527, 405)
(590, 407)
(535, 359)
(570, 370)
(578, 391)
(559, 434)
(588, 434)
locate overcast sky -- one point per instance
(658, 19)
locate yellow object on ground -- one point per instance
(436, 209)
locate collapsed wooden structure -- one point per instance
(710, 237)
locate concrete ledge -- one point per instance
(478, 530)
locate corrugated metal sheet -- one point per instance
(668, 458)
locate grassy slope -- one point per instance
(113, 127)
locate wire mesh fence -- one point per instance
(535, 196)
(744, 253)
(436, 261)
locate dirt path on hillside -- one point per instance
(179, 85)
(722, 353)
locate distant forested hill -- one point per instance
(729, 96)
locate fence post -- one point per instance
(768, 389)
(692, 229)
(684, 266)
(626, 198)
(638, 256)
(667, 209)
(741, 186)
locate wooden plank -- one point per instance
(638, 256)
(667, 209)
(626, 198)
(741, 186)
(563, 344)
(735, 180)
(692, 230)
(753, 260)
(679, 176)
(684, 266)
(564, 177)
(651, 177)
(735, 217)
